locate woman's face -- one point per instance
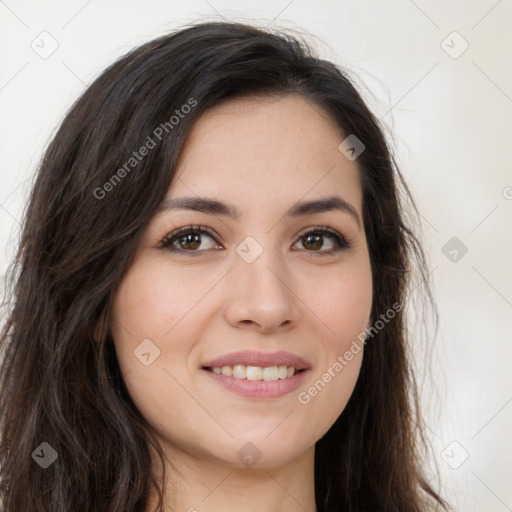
(265, 281)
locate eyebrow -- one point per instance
(215, 207)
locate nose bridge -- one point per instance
(260, 265)
(260, 290)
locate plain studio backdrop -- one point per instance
(438, 74)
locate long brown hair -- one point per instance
(62, 393)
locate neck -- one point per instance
(195, 484)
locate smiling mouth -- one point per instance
(266, 373)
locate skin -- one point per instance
(262, 155)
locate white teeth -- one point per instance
(241, 371)
(270, 373)
(227, 370)
(254, 373)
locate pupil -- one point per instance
(191, 239)
(317, 244)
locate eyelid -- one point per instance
(319, 228)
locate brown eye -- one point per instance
(313, 242)
(323, 240)
(190, 239)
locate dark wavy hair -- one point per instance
(60, 386)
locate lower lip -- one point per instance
(259, 388)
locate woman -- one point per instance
(208, 295)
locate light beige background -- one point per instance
(450, 112)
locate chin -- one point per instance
(261, 453)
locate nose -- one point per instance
(261, 295)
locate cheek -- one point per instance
(154, 299)
(343, 305)
(147, 316)
(341, 299)
(345, 311)
(163, 304)
(153, 337)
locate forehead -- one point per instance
(277, 149)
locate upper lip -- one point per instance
(255, 358)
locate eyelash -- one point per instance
(341, 242)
